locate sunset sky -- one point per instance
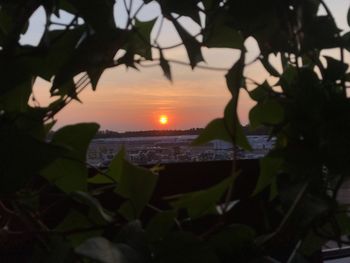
(128, 100)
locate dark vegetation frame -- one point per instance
(306, 109)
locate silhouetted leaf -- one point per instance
(335, 69)
(181, 7)
(193, 47)
(261, 92)
(235, 78)
(215, 130)
(219, 35)
(266, 112)
(164, 64)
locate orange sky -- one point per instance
(133, 100)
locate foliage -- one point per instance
(48, 198)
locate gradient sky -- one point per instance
(133, 100)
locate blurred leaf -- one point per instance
(269, 167)
(164, 64)
(269, 67)
(205, 201)
(193, 47)
(97, 212)
(160, 225)
(16, 99)
(349, 17)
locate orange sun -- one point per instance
(163, 119)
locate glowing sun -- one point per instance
(163, 119)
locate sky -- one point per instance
(129, 100)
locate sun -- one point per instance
(163, 119)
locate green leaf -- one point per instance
(205, 201)
(68, 175)
(268, 112)
(160, 225)
(192, 46)
(75, 221)
(70, 172)
(97, 212)
(115, 170)
(137, 185)
(269, 167)
(76, 137)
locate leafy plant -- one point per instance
(49, 199)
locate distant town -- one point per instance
(169, 146)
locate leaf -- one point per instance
(335, 70)
(101, 250)
(235, 78)
(73, 221)
(182, 7)
(16, 99)
(140, 39)
(268, 112)
(104, 8)
(349, 17)
(137, 185)
(269, 167)
(205, 201)
(192, 46)
(235, 241)
(97, 212)
(76, 137)
(160, 225)
(67, 175)
(164, 64)
(215, 130)
(218, 34)
(184, 247)
(261, 92)
(234, 126)
(70, 172)
(269, 67)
